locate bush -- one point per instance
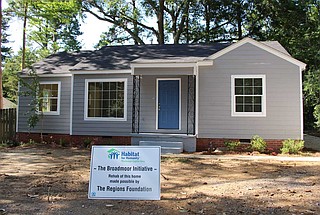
(258, 144)
(292, 146)
(231, 145)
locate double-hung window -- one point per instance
(106, 99)
(49, 96)
(248, 95)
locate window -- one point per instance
(106, 99)
(49, 96)
(248, 95)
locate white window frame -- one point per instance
(233, 97)
(86, 117)
(59, 95)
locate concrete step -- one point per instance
(166, 146)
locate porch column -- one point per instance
(191, 105)
(136, 104)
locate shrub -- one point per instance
(290, 146)
(258, 144)
(87, 142)
(231, 145)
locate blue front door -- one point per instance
(168, 104)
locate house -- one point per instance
(191, 95)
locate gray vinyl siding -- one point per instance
(283, 111)
(58, 124)
(148, 105)
(80, 126)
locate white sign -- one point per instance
(128, 172)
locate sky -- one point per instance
(91, 28)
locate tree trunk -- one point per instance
(24, 36)
(161, 22)
(1, 96)
(135, 24)
(207, 15)
(239, 19)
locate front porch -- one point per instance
(164, 106)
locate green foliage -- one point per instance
(11, 69)
(31, 89)
(231, 145)
(290, 146)
(63, 142)
(87, 142)
(258, 144)
(10, 143)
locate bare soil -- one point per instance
(44, 180)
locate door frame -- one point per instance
(157, 102)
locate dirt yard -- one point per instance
(43, 180)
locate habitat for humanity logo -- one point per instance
(113, 154)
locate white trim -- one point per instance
(100, 72)
(112, 119)
(17, 110)
(205, 63)
(259, 45)
(161, 65)
(71, 105)
(197, 102)
(47, 75)
(264, 95)
(301, 107)
(157, 102)
(56, 113)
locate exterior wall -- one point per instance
(51, 123)
(283, 113)
(148, 99)
(80, 126)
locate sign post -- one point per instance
(126, 172)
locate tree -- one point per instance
(11, 68)
(53, 25)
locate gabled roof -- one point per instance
(271, 46)
(59, 63)
(120, 57)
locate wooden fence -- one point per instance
(7, 124)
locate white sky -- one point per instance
(92, 29)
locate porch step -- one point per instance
(166, 146)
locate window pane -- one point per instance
(257, 108)
(106, 86)
(54, 105)
(248, 91)
(239, 100)
(238, 82)
(120, 86)
(258, 82)
(239, 108)
(239, 91)
(113, 85)
(257, 100)
(257, 90)
(248, 108)
(248, 100)
(248, 82)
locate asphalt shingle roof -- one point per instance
(120, 57)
